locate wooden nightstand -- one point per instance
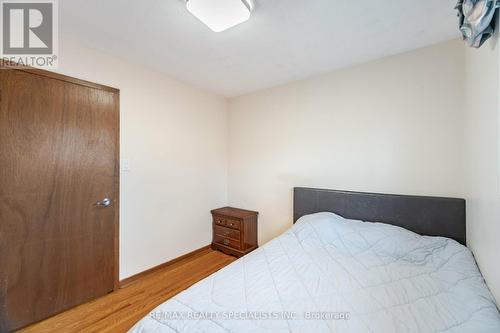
(234, 231)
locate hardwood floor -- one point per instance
(120, 310)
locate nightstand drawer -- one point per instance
(236, 244)
(235, 224)
(219, 220)
(226, 232)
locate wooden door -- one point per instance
(58, 157)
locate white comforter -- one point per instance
(330, 274)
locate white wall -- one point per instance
(482, 105)
(175, 137)
(394, 126)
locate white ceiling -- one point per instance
(284, 40)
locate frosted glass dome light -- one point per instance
(220, 15)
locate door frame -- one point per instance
(8, 65)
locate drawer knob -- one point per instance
(226, 242)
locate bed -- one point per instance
(332, 272)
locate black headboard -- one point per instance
(432, 216)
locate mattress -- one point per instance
(330, 274)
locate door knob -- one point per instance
(106, 202)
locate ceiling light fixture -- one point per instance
(220, 15)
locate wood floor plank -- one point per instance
(120, 310)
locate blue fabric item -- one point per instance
(476, 20)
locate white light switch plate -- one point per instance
(125, 165)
